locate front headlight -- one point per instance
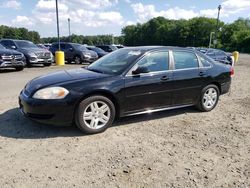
(51, 93)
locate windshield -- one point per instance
(1, 47)
(116, 62)
(25, 44)
(79, 47)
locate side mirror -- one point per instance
(70, 49)
(140, 70)
(13, 47)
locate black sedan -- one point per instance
(126, 82)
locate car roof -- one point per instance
(16, 40)
(152, 48)
(67, 43)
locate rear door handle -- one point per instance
(164, 78)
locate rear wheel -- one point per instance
(209, 98)
(95, 114)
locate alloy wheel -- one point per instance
(96, 115)
(210, 98)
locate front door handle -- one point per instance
(164, 78)
(202, 74)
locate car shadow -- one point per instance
(14, 125)
(8, 70)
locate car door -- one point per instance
(69, 51)
(188, 77)
(146, 91)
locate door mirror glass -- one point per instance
(13, 47)
(140, 70)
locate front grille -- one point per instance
(12, 57)
(43, 55)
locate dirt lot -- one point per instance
(180, 148)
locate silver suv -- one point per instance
(32, 53)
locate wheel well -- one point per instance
(105, 94)
(77, 55)
(218, 85)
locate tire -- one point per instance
(90, 119)
(77, 60)
(19, 68)
(209, 98)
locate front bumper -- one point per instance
(54, 112)
(11, 64)
(34, 60)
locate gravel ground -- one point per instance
(178, 148)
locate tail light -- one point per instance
(231, 71)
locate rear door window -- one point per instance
(185, 60)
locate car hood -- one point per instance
(8, 52)
(32, 50)
(60, 77)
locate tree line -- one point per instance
(19, 33)
(194, 32)
(158, 31)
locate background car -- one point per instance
(107, 48)
(42, 46)
(129, 81)
(32, 53)
(119, 46)
(75, 52)
(100, 52)
(11, 59)
(217, 55)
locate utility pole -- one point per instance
(217, 26)
(210, 40)
(58, 32)
(69, 30)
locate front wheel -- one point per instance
(209, 98)
(77, 59)
(95, 114)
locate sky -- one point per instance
(92, 17)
